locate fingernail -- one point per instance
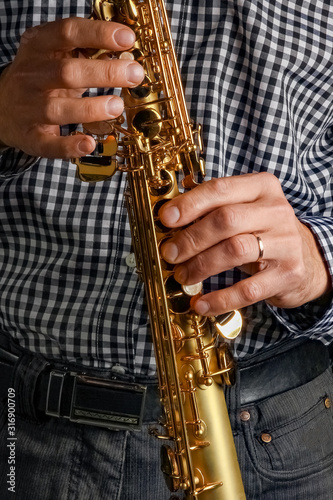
(202, 307)
(85, 147)
(170, 252)
(124, 38)
(114, 106)
(170, 216)
(135, 73)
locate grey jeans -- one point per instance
(284, 445)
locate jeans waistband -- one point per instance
(281, 370)
(44, 388)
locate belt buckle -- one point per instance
(116, 416)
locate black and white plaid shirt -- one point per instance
(259, 77)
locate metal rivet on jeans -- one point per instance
(265, 437)
(244, 415)
(327, 403)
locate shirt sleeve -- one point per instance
(313, 319)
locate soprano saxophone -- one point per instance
(158, 141)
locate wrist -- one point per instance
(318, 273)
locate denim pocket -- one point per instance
(293, 432)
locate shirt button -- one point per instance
(118, 369)
(130, 260)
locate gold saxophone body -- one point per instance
(199, 456)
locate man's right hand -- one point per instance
(42, 89)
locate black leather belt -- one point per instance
(91, 400)
(85, 399)
(276, 372)
(120, 405)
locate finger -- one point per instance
(72, 33)
(78, 73)
(217, 192)
(49, 145)
(220, 224)
(234, 252)
(249, 291)
(60, 111)
(223, 223)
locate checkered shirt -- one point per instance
(259, 76)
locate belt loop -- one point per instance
(54, 393)
(24, 381)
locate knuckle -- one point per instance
(22, 71)
(28, 35)
(112, 72)
(191, 238)
(295, 271)
(224, 217)
(92, 109)
(218, 186)
(288, 210)
(221, 303)
(251, 291)
(269, 180)
(283, 209)
(50, 112)
(192, 205)
(65, 70)
(67, 30)
(237, 247)
(200, 265)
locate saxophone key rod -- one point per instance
(200, 461)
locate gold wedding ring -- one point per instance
(261, 248)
